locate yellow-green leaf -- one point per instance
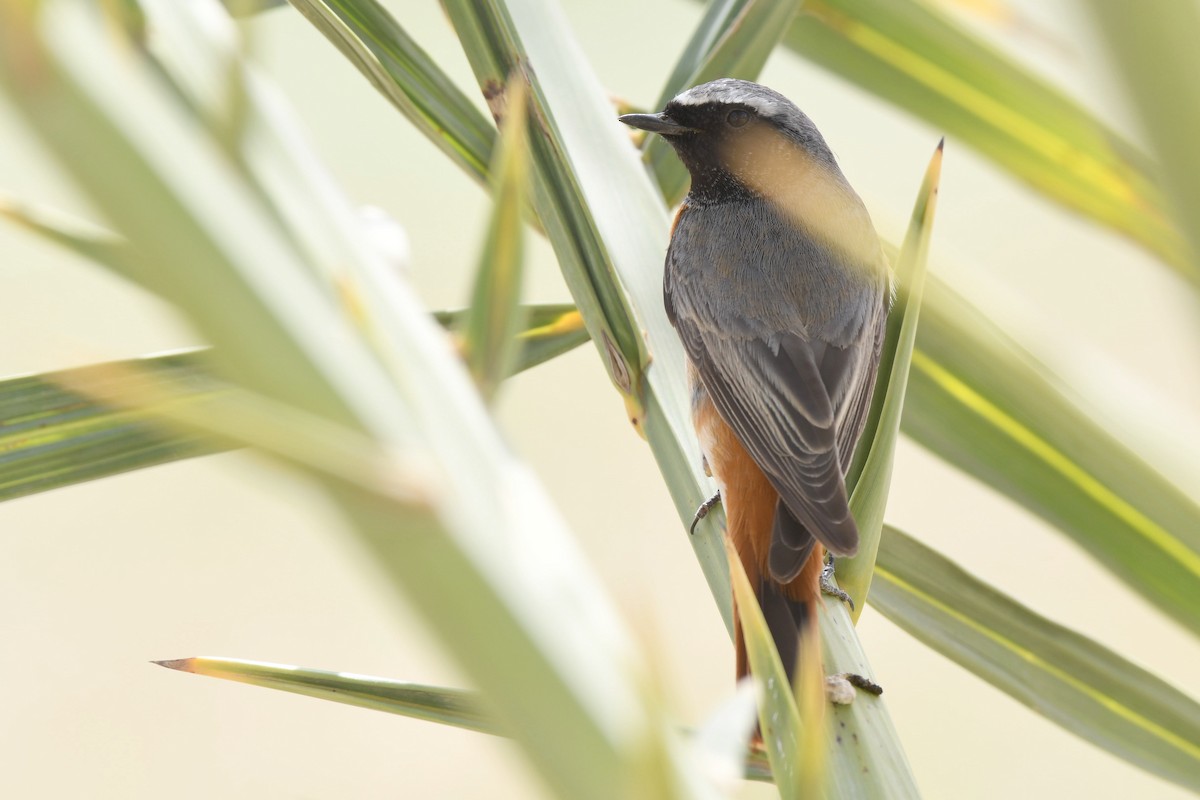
(870, 474)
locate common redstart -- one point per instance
(778, 286)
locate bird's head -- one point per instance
(739, 139)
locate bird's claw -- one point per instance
(830, 587)
(703, 510)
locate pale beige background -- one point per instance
(230, 556)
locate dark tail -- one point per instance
(789, 622)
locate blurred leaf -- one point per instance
(211, 246)
(405, 74)
(979, 401)
(236, 418)
(870, 475)
(431, 703)
(246, 8)
(910, 54)
(720, 742)
(785, 735)
(51, 436)
(732, 41)
(817, 741)
(90, 242)
(1065, 677)
(1154, 47)
(490, 343)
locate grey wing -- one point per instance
(782, 402)
(860, 402)
(791, 542)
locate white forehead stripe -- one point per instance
(730, 91)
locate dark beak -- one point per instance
(656, 123)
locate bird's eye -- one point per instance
(737, 118)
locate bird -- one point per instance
(777, 285)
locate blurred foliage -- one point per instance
(311, 330)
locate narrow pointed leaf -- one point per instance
(493, 321)
(446, 706)
(405, 74)
(732, 41)
(1065, 677)
(870, 474)
(910, 54)
(456, 707)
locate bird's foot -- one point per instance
(840, 688)
(703, 510)
(829, 585)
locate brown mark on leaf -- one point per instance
(495, 94)
(618, 367)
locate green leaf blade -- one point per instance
(1081, 686)
(1148, 44)
(490, 342)
(456, 707)
(403, 73)
(786, 737)
(870, 475)
(52, 436)
(913, 56)
(982, 403)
